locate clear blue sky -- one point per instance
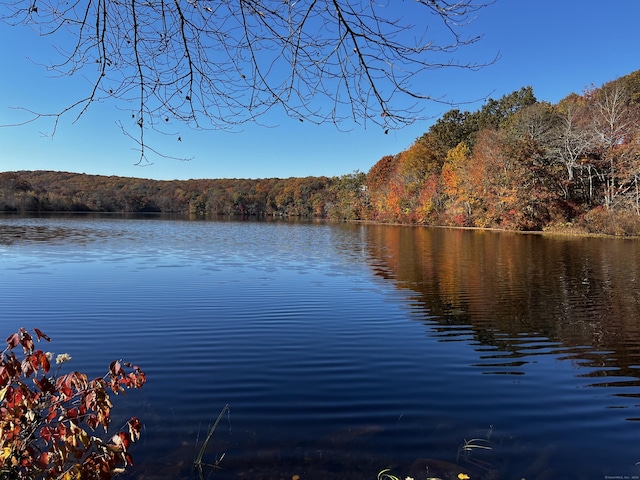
(557, 47)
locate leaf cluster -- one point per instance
(48, 420)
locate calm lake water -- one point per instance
(343, 350)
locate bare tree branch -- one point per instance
(219, 63)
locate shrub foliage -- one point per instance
(48, 420)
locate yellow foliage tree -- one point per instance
(455, 184)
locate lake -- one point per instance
(344, 349)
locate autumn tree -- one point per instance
(615, 120)
(379, 180)
(623, 193)
(496, 112)
(452, 129)
(456, 186)
(569, 146)
(415, 166)
(381, 171)
(351, 197)
(508, 182)
(418, 161)
(457, 126)
(547, 139)
(219, 64)
(537, 121)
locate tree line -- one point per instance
(516, 163)
(49, 191)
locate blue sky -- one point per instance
(557, 47)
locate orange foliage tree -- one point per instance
(379, 185)
(510, 182)
(455, 185)
(416, 167)
(497, 179)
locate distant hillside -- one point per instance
(59, 191)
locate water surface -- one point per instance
(345, 349)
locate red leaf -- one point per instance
(122, 440)
(41, 335)
(27, 367)
(44, 361)
(90, 399)
(26, 341)
(45, 434)
(13, 340)
(135, 426)
(72, 414)
(115, 368)
(92, 421)
(45, 385)
(38, 359)
(43, 460)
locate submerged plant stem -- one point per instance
(198, 461)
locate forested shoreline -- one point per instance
(28, 191)
(516, 164)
